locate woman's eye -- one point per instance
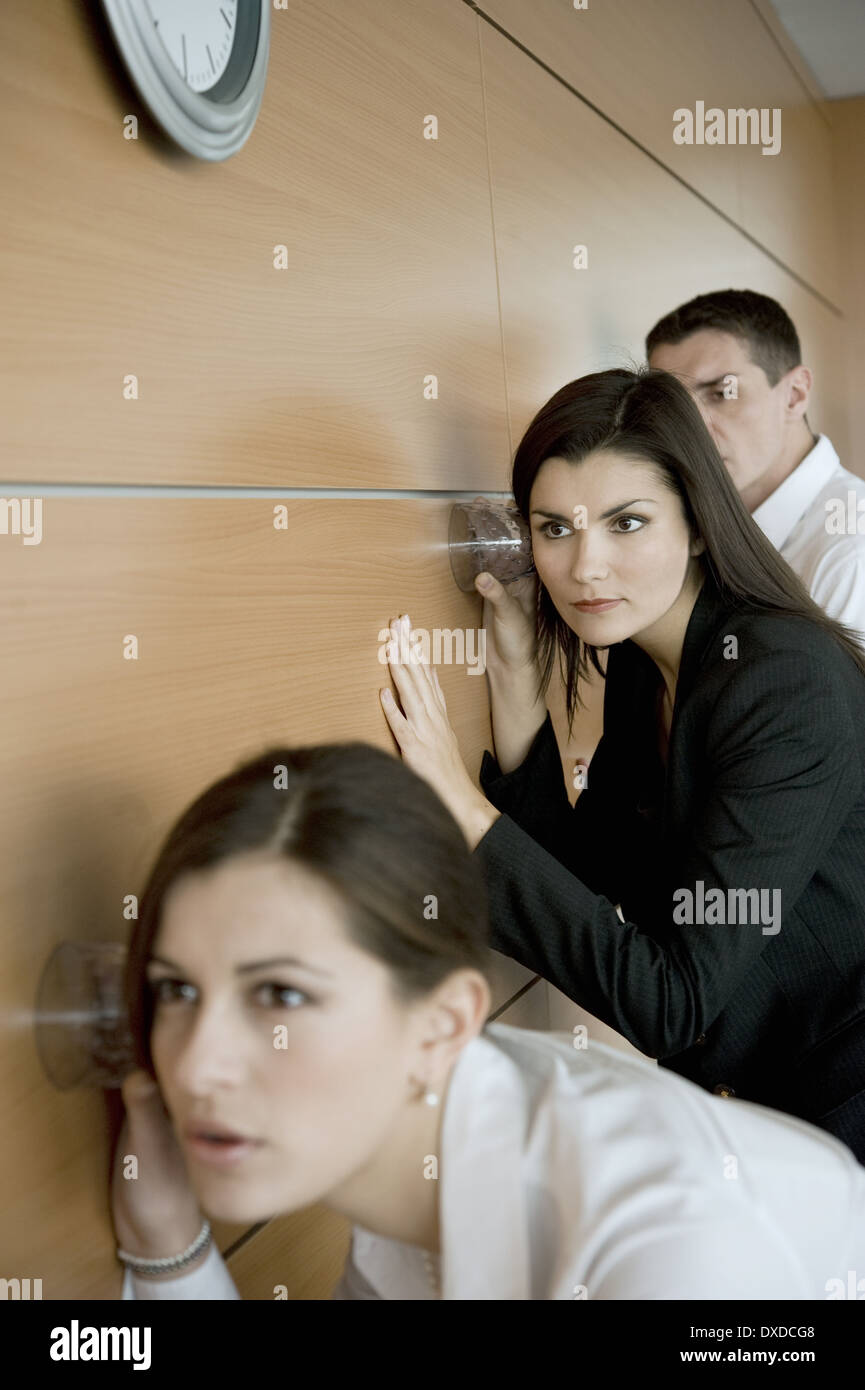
(163, 990)
(275, 995)
(272, 995)
(640, 520)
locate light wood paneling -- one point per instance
(638, 61)
(121, 257)
(305, 1253)
(788, 200)
(530, 1010)
(651, 245)
(565, 1016)
(507, 978)
(796, 60)
(849, 168)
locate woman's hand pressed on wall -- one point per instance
(427, 741)
(155, 1213)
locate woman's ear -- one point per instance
(697, 547)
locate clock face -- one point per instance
(199, 65)
(197, 36)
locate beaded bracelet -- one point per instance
(162, 1265)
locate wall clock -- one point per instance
(200, 66)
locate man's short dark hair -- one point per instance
(755, 319)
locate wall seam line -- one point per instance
(695, 192)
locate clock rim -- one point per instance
(207, 129)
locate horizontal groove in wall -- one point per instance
(35, 489)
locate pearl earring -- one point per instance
(430, 1096)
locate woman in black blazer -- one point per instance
(724, 807)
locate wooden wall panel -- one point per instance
(638, 61)
(304, 1252)
(121, 257)
(246, 637)
(788, 200)
(565, 1015)
(651, 245)
(530, 1009)
(848, 118)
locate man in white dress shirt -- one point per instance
(739, 355)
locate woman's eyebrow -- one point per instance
(251, 965)
(554, 516)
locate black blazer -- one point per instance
(764, 789)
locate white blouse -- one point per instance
(590, 1174)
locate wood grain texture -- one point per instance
(565, 1016)
(638, 61)
(651, 245)
(122, 256)
(849, 179)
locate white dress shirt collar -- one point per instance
(791, 499)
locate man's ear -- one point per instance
(797, 390)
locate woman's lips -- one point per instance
(221, 1153)
(600, 607)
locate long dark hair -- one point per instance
(368, 825)
(649, 415)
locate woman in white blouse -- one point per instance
(307, 980)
